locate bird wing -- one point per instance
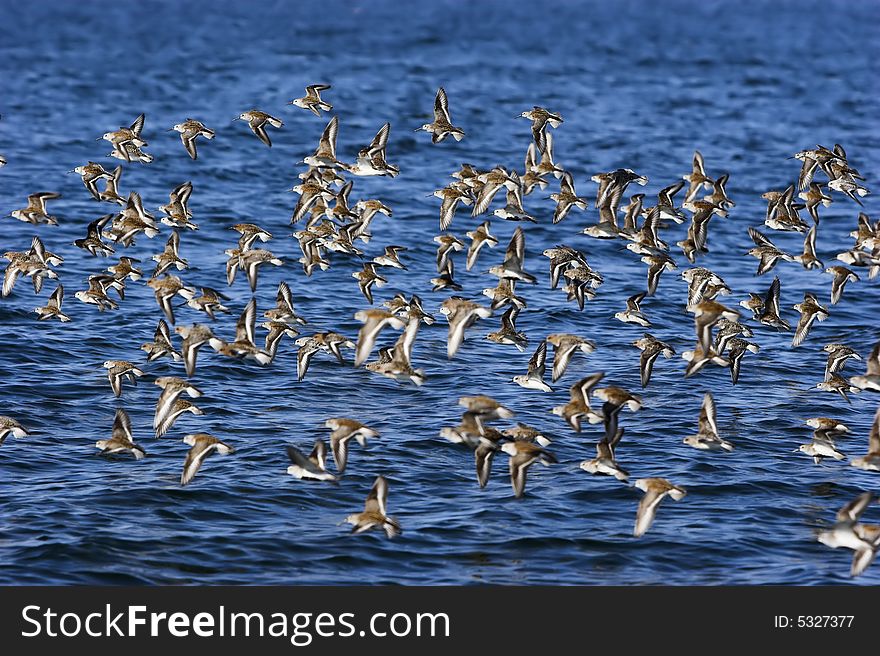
(537, 363)
(759, 238)
(194, 458)
(873, 363)
(516, 249)
(327, 144)
(138, 125)
(874, 436)
(121, 426)
(299, 459)
(707, 415)
(380, 140)
(244, 329)
(441, 107)
(57, 297)
(647, 511)
(377, 497)
(580, 391)
(854, 509)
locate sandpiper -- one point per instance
(161, 344)
(525, 433)
(534, 379)
(540, 118)
(371, 159)
(770, 314)
(480, 237)
(169, 406)
(257, 121)
(766, 252)
(504, 294)
(329, 342)
(193, 338)
(368, 278)
(841, 275)
(442, 125)
(522, 456)
(110, 194)
(578, 406)
(651, 348)
(633, 313)
(35, 211)
(727, 330)
(176, 211)
(849, 533)
(736, 349)
(283, 310)
(52, 309)
(485, 408)
(374, 514)
(707, 438)
(91, 172)
(564, 347)
(657, 264)
(508, 334)
(840, 385)
(127, 142)
(655, 489)
(448, 244)
(121, 440)
(311, 467)
(342, 430)
(838, 354)
(810, 311)
(209, 301)
(461, 314)
(244, 345)
(201, 446)
(871, 380)
(513, 209)
(170, 256)
(615, 398)
(605, 463)
(189, 130)
(165, 289)
(117, 370)
(697, 178)
(451, 196)
(566, 198)
(8, 426)
(446, 279)
(312, 100)
(325, 153)
(373, 320)
(514, 259)
(92, 242)
(808, 258)
(492, 181)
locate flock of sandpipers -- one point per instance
(329, 223)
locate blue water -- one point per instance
(640, 85)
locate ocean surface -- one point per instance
(639, 84)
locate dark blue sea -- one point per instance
(639, 84)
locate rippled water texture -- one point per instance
(640, 85)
